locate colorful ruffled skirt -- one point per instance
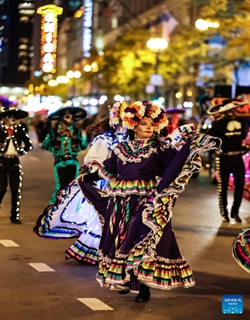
(241, 249)
(72, 216)
(138, 243)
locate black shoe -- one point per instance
(16, 221)
(124, 288)
(144, 294)
(237, 218)
(225, 219)
(224, 215)
(124, 291)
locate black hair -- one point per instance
(101, 127)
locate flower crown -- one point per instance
(115, 113)
(132, 114)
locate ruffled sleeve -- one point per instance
(98, 152)
(109, 169)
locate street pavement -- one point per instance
(36, 282)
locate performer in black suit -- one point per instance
(231, 130)
(14, 142)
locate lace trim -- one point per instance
(134, 151)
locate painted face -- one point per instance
(10, 120)
(67, 119)
(144, 129)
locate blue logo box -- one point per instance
(232, 304)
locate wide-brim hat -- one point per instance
(225, 106)
(78, 113)
(16, 113)
(175, 110)
(241, 249)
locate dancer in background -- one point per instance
(241, 249)
(138, 248)
(14, 142)
(71, 215)
(65, 142)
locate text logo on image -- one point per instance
(232, 304)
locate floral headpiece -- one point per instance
(115, 113)
(133, 113)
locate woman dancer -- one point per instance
(71, 215)
(138, 248)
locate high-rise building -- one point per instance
(69, 8)
(16, 47)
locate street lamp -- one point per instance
(157, 45)
(202, 25)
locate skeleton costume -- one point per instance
(65, 142)
(14, 142)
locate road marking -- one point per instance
(9, 243)
(41, 267)
(95, 304)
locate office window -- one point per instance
(23, 46)
(22, 54)
(24, 19)
(24, 40)
(22, 68)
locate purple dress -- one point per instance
(138, 243)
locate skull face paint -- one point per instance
(9, 120)
(68, 119)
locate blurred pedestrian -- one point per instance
(232, 131)
(65, 141)
(14, 142)
(205, 101)
(175, 121)
(42, 128)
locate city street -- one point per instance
(53, 292)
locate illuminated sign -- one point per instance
(87, 27)
(49, 37)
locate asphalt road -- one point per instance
(27, 294)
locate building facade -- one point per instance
(16, 45)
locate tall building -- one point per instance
(69, 8)
(16, 47)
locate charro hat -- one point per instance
(226, 105)
(78, 113)
(16, 113)
(241, 249)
